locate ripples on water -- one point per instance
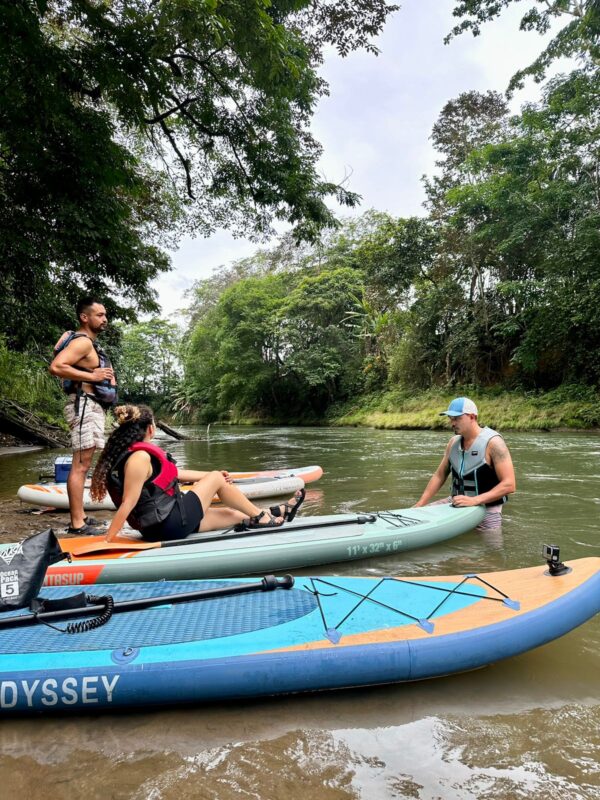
(528, 727)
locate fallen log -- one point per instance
(170, 431)
(28, 427)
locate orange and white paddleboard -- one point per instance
(264, 483)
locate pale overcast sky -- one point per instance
(377, 120)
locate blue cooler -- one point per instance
(62, 467)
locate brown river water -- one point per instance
(527, 727)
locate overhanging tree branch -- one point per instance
(182, 159)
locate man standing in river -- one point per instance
(87, 378)
(480, 464)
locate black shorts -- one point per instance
(172, 527)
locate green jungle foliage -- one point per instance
(147, 363)
(124, 123)
(497, 286)
(578, 38)
(25, 380)
(274, 344)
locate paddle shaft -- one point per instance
(361, 519)
(266, 584)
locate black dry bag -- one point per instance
(23, 566)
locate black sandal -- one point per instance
(95, 523)
(289, 510)
(255, 522)
(87, 530)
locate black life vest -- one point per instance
(104, 392)
(160, 492)
(471, 474)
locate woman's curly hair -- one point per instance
(133, 424)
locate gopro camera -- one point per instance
(551, 554)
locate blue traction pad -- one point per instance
(165, 624)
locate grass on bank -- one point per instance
(569, 406)
(25, 380)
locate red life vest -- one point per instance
(158, 495)
(167, 477)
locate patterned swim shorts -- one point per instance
(87, 429)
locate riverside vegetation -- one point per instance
(494, 291)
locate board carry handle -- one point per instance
(267, 584)
(100, 545)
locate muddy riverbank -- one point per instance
(18, 520)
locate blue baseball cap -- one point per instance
(460, 406)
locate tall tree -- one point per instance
(462, 268)
(121, 120)
(75, 207)
(536, 206)
(148, 361)
(276, 344)
(578, 38)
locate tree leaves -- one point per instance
(123, 123)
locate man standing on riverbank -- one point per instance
(83, 367)
(480, 464)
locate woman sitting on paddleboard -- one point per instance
(143, 482)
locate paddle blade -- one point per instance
(98, 544)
